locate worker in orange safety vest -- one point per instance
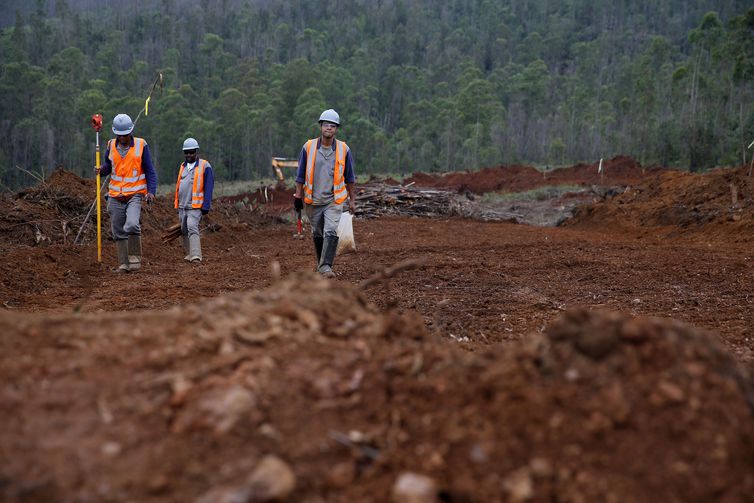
(193, 197)
(133, 180)
(324, 181)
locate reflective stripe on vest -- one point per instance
(197, 191)
(127, 177)
(340, 193)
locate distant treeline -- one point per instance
(421, 85)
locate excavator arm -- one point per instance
(278, 163)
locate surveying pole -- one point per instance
(97, 125)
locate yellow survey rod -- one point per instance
(97, 125)
(99, 211)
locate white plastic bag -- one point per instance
(346, 242)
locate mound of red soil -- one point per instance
(620, 170)
(714, 204)
(188, 404)
(501, 178)
(54, 211)
(49, 212)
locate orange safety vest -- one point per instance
(197, 192)
(339, 183)
(127, 177)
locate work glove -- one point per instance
(97, 169)
(149, 198)
(204, 212)
(298, 203)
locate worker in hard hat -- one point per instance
(133, 179)
(193, 197)
(324, 181)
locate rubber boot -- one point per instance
(134, 252)
(328, 256)
(318, 242)
(195, 248)
(121, 248)
(185, 242)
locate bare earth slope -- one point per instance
(182, 405)
(499, 367)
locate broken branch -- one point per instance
(406, 265)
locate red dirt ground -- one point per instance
(499, 368)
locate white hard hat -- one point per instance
(122, 125)
(190, 144)
(330, 115)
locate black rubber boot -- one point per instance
(329, 250)
(134, 252)
(121, 247)
(318, 243)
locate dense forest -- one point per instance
(421, 85)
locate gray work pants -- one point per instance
(189, 219)
(324, 219)
(124, 217)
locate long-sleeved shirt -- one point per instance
(146, 166)
(349, 174)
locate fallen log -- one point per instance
(174, 231)
(171, 233)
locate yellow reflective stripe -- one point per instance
(178, 184)
(309, 178)
(339, 189)
(138, 146)
(126, 190)
(340, 162)
(128, 179)
(198, 196)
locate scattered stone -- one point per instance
(572, 374)
(671, 391)
(414, 488)
(111, 449)
(541, 467)
(272, 480)
(519, 485)
(181, 387)
(478, 454)
(225, 494)
(218, 410)
(342, 474)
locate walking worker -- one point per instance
(133, 179)
(193, 197)
(325, 179)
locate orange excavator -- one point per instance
(278, 163)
